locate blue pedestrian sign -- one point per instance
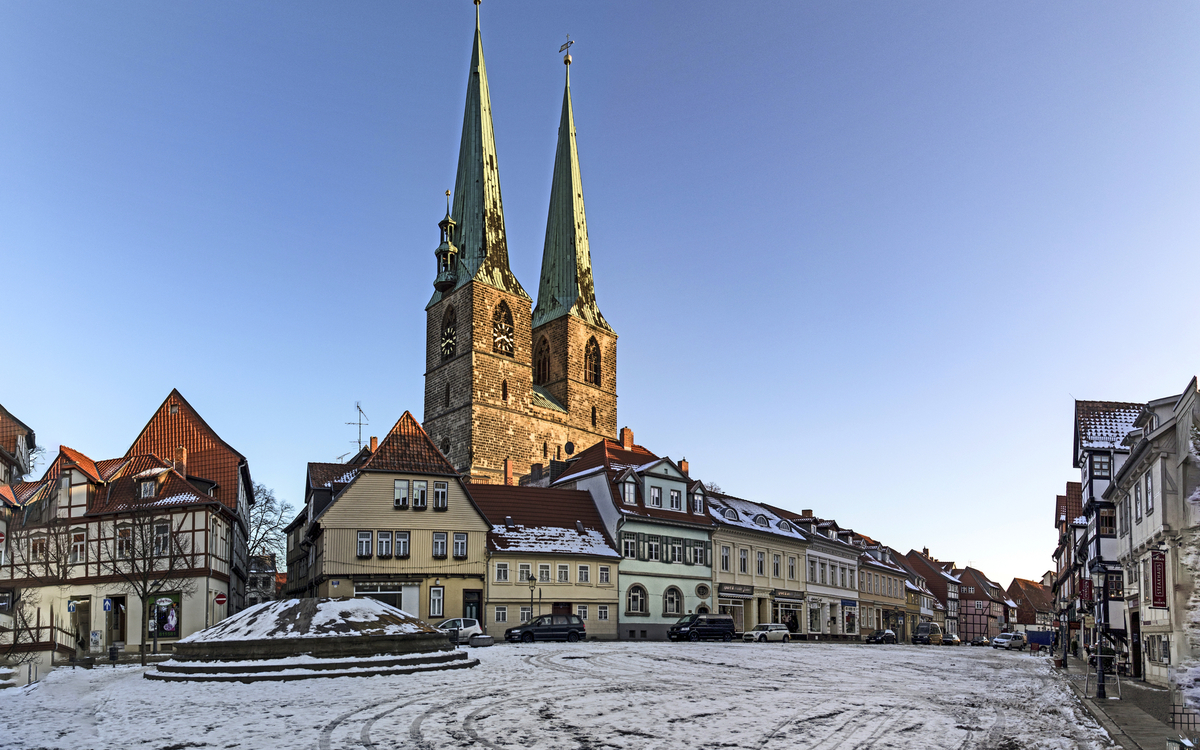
(107, 604)
(70, 606)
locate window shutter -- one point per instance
(688, 550)
(707, 554)
(641, 543)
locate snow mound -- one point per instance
(313, 618)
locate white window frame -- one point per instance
(524, 572)
(582, 611)
(585, 574)
(676, 500)
(441, 493)
(383, 544)
(743, 560)
(420, 494)
(501, 614)
(78, 546)
(652, 549)
(697, 503)
(677, 551)
(543, 572)
(162, 541)
(460, 544)
(401, 549)
(564, 574)
(440, 540)
(601, 611)
(656, 497)
(437, 601)
(400, 494)
(630, 493)
(629, 547)
(725, 558)
(366, 543)
(603, 575)
(501, 572)
(526, 614)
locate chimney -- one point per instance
(579, 528)
(536, 471)
(181, 460)
(508, 524)
(627, 438)
(374, 443)
(508, 471)
(925, 551)
(806, 513)
(683, 466)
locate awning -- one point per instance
(725, 595)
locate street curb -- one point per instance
(1114, 732)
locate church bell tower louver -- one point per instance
(485, 402)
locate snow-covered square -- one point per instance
(588, 695)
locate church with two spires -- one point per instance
(511, 384)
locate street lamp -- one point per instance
(1101, 693)
(532, 586)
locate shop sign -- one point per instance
(849, 603)
(1158, 579)
(786, 594)
(1085, 590)
(1089, 621)
(165, 616)
(1073, 625)
(735, 588)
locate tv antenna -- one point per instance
(363, 419)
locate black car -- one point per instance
(881, 636)
(549, 628)
(981, 640)
(702, 627)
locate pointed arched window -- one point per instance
(591, 362)
(502, 330)
(541, 362)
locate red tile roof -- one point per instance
(549, 511)
(81, 462)
(208, 456)
(409, 449)
(122, 494)
(1039, 596)
(10, 428)
(7, 498)
(1103, 424)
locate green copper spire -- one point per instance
(478, 211)
(566, 286)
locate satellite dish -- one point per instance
(570, 448)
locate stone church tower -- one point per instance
(507, 386)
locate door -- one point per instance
(116, 622)
(561, 608)
(1135, 643)
(83, 624)
(471, 604)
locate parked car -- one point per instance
(767, 632)
(1009, 641)
(549, 628)
(980, 640)
(704, 626)
(881, 636)
(951, 639)
(465, 626)
(928, 633)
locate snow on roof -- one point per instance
(151, 472)
(954, 579)
(312, 618)
(747, 511)
(551, 539)
(1010, 603)
(1104, 424)
(909, 585)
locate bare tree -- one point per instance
(268, 517)
(150, 556)
(714, 487)
(42, 555)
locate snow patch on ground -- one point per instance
(589, 695)
(290, 618)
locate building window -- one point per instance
(400, 498)
(603, 574)
(1108, 521)
(544, 573)
(146, 489)
(593, 416)
(564, 573)
(652, 548)
(439, 495)
(585, 574)
(978, 604)
(629, 546)
(502, 330)
(582, 611)
(1137, 503)
(501, 614)
(78, 547)
(743, 561)
(501, 572)
(541, 363)
(401, 544)
(436, 596)
(1116, 588)
(776, 566)
(125, 541)
(524, 572)
(792, 568)
(364, 543)
(460, 545)
(37, 548)
(725, 558)
(439, 544)
(676, 500)
(1149, 493)
(812, 570)
(1101, 468)
(602, 612)
(672, 602)
(761, 566)
(636, 600)
(526, 614)
(504, 391)
(697, 503)
(701, 555)
(591, 362)
(162, 538)
(384, 543)
(823, 569)
(420, 498)
(841, 576)
(676, 550)
(656, 497)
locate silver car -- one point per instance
(1009, 641)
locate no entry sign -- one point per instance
(221, 599)
(1, 537)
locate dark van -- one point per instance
(928, 633)
(702, 627)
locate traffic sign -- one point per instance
(220, 599)
(1, 537)
(107, 604)
(70, 606)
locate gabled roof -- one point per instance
(972, 577)
(544, 520)
(1101, 425)
(208, 456)
(7, 498)
(122, 495)
(408, 449)
(10, 428)
(1040, 597)
(81, 462)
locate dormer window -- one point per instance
(730, 514)
(784, 526)
(698, 503)
(630, 491)
(761, 520)
(146, 489)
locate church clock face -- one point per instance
(502, 337)
(448, 340)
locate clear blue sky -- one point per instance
(861, 256)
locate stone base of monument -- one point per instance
(301, 639)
